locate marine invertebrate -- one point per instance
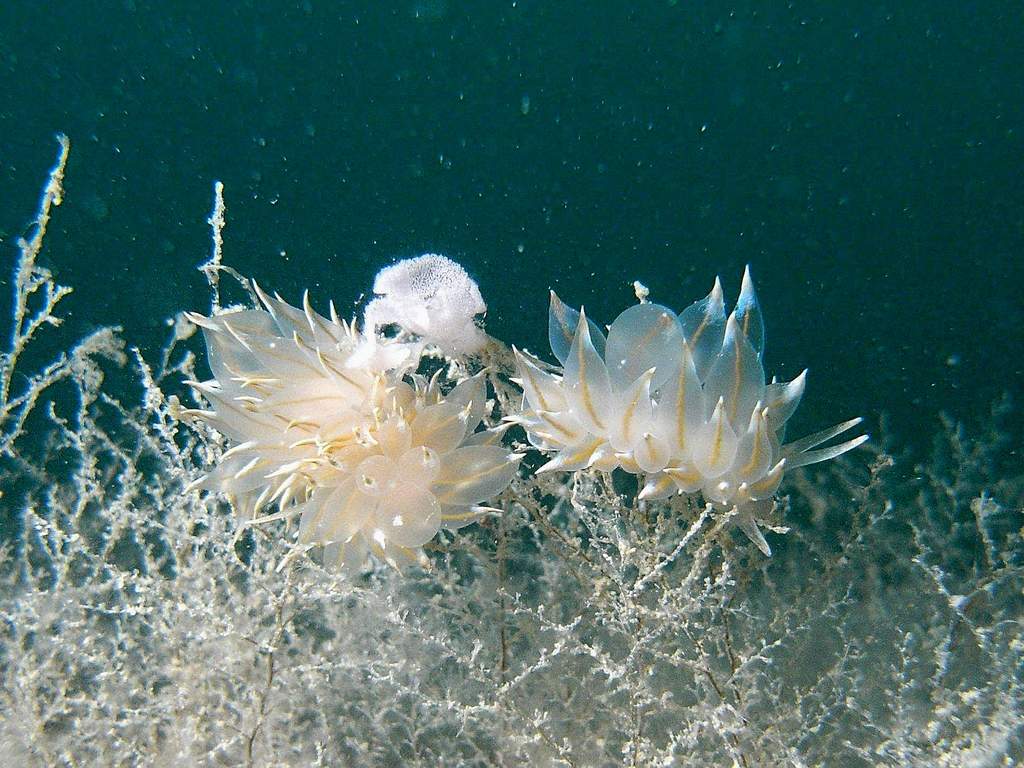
(371, 458)
(113, 601)
(680, 400)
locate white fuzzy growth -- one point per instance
(432, 297)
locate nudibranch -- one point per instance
(679, 400)
(372, 457)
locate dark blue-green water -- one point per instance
(864, 158)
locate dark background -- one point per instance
(864, 158)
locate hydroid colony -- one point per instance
(582, 626)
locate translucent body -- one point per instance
(369, 459)
(679, 399)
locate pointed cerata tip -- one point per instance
(549, 466)
(747, 295)
(307, 309)
(201, 320)
(260, 294)
(731, 327)
(583, 328)
(755, 418)
(717, 298)
(517, 353)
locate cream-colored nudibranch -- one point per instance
(370, 456)
(680, 400)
